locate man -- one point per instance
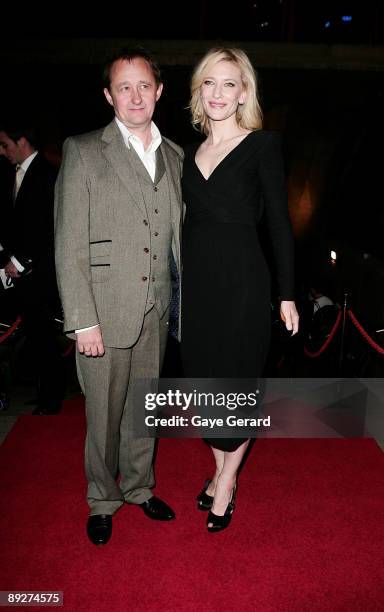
(27, 256)
(118, 212)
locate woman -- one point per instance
(229, 180)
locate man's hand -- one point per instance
(11, 270)
(90, 342)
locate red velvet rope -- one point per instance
(365, 335)
(308, 353)
(16, 324)
(328, 340)
(10, 331)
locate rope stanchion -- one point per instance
(365, 334)
(10, 331)
(341, 355)
(328, 341)
(379, 349)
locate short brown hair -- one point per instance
(128, 54)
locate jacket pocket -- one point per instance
(100, 254)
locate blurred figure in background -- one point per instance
(27, 256)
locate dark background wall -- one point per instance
(325, 99)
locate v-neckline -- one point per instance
(222, 160)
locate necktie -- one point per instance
(18, 180)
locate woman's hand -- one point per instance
(289, 315)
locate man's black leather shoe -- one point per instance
(99, 528)
(158, 510)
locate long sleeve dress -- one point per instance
(226, 282)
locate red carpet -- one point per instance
(307, 534)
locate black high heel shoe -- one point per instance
(204, 501)
(221, 522)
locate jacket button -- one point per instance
(155, 189)
(146, 250)
(156, 211)
(145, 222)
(144, 278)
(155, 257)
(156, 233)
(153, 279)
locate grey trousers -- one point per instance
(107, 385)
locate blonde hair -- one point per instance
(248, 115)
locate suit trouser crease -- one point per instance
(107, 383)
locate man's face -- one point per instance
(133, 93)
(11, 150)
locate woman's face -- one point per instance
(222, 90)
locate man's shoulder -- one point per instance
(41, 166)
(173, 147)
(87, 145)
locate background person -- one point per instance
(27, 256)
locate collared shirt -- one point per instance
(24, 167)
(27, 162)
(147, 156)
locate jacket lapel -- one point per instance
(137, 165)
(124, 163)
(27, 179)
(173, 176)
(172, 169)
(127, 165)
(160, 166)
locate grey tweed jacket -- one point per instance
(101, 229)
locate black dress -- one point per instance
(225, 326)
